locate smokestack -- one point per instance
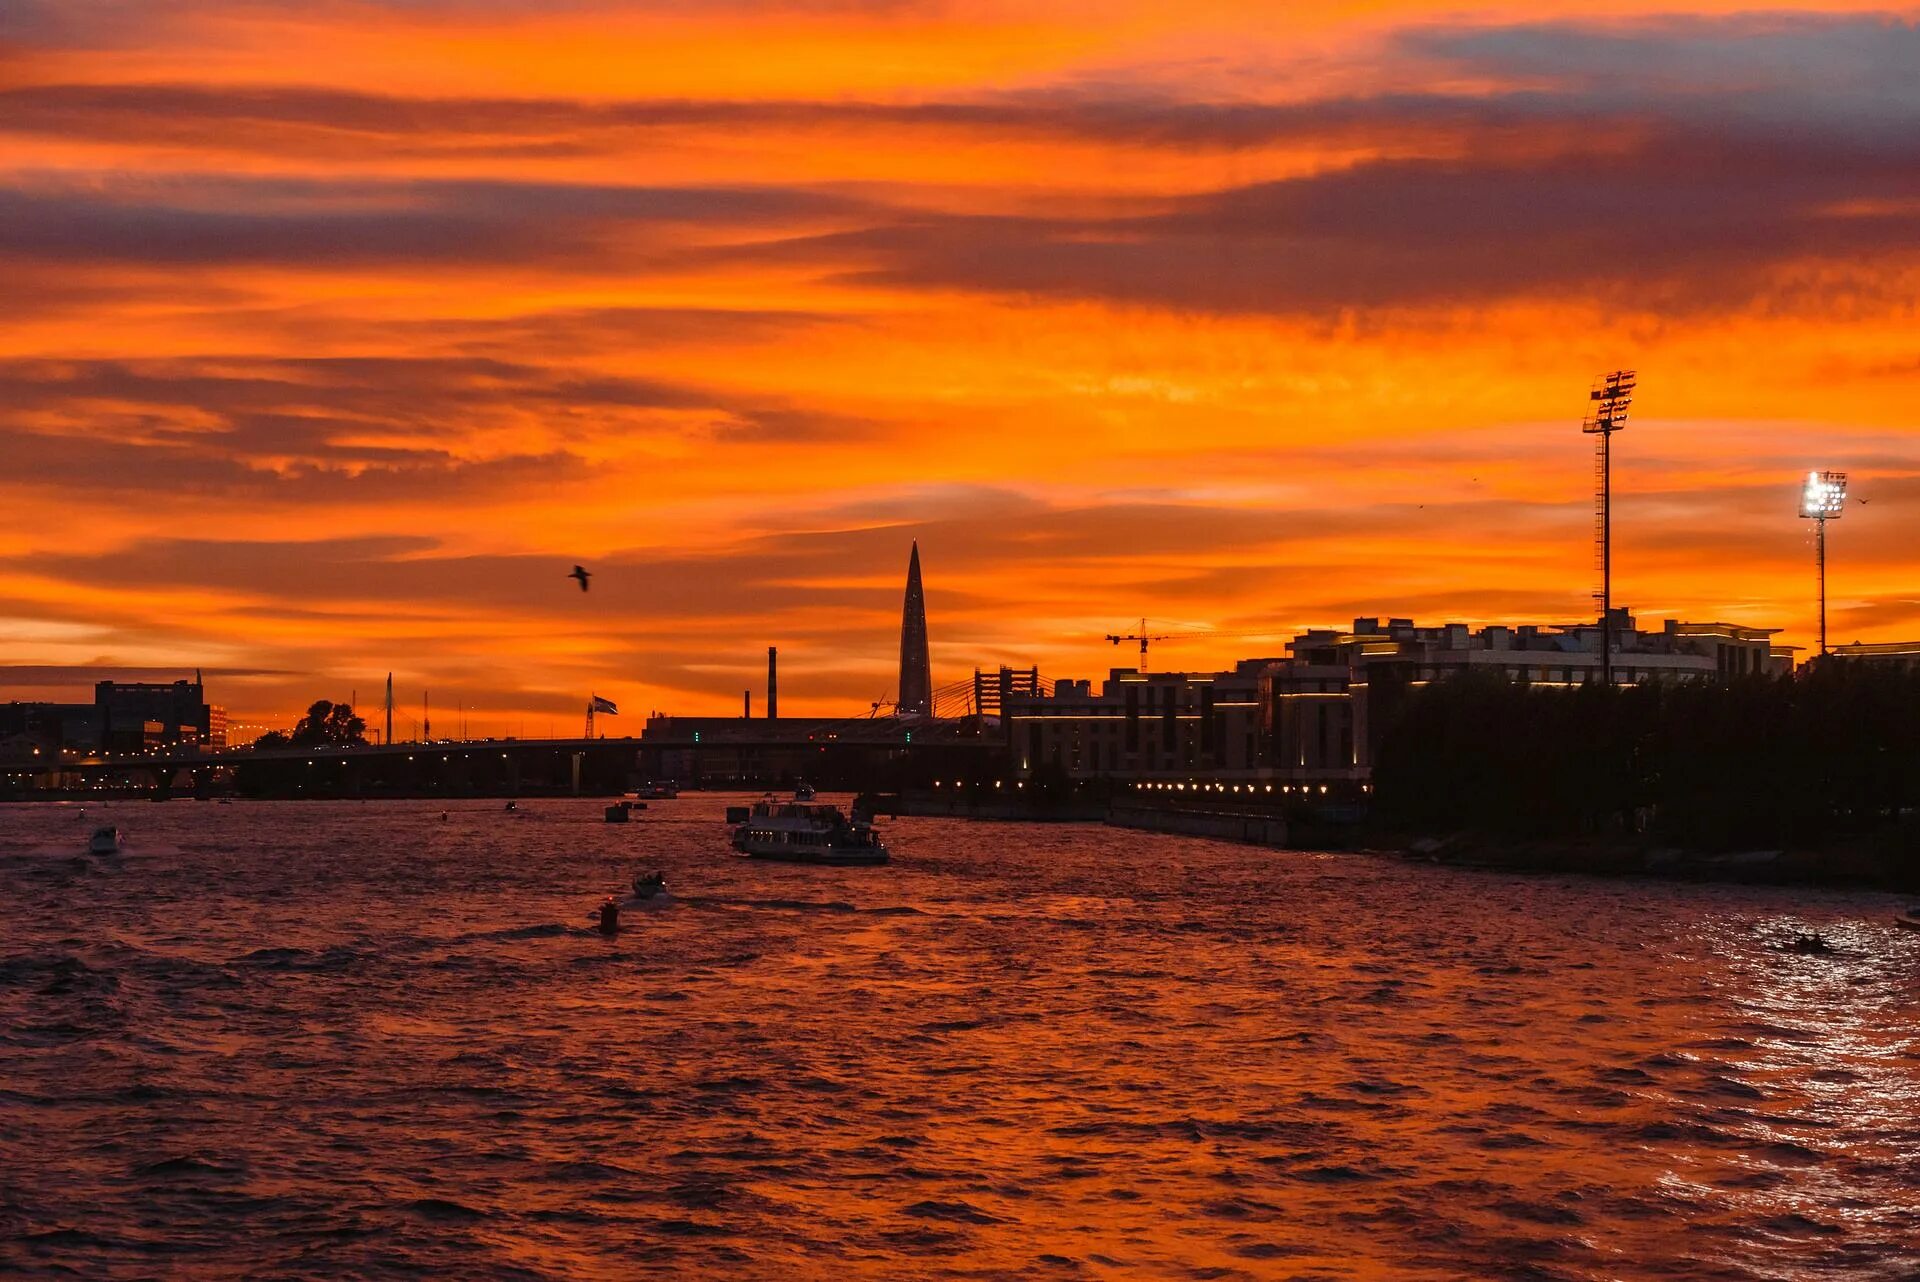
(746, 705)
(773, 682)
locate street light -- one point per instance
(1824, 499)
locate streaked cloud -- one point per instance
(1241, 318)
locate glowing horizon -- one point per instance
(337, 337)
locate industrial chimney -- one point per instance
(773, 683)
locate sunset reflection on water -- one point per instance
(308, 1040)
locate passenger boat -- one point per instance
(653, 791)
(804, 792)
(804, 833)
(105, 841)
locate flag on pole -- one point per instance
(605, 705)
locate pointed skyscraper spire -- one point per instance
(916, 673)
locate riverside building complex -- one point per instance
(1313, 718)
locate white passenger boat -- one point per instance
(105, 841)
(803, 833)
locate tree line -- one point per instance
(327, 724)
(1830, 750)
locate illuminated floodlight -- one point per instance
(1825, 496)
(1824, 499)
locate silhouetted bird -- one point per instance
(580, 572)
(1863, 501)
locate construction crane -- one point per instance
(1145, 637)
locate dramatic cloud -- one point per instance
(337, 335)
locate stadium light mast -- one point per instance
(1612, 395)
(1824, 499)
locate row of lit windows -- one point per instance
(1251, 788)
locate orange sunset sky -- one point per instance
(335, 333)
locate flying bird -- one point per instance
(1863, 502)
(581, 573)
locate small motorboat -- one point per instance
(656, 790)
(1909, 919)
(650, 888)
(513, 805)
(105, 841)
(805, 792)
(1814, 945)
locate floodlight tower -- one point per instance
(1824, 499)
(1612, 396)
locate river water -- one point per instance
(341, 1039)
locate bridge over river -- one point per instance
(854, 752)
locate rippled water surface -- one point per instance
(343, 1039)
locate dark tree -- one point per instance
(1832, 750)
(331, 724)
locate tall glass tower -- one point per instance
(916, 673)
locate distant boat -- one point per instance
(804, 792)
(1910, 919)
(653, 791)
(800, 833)
(105, 841)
